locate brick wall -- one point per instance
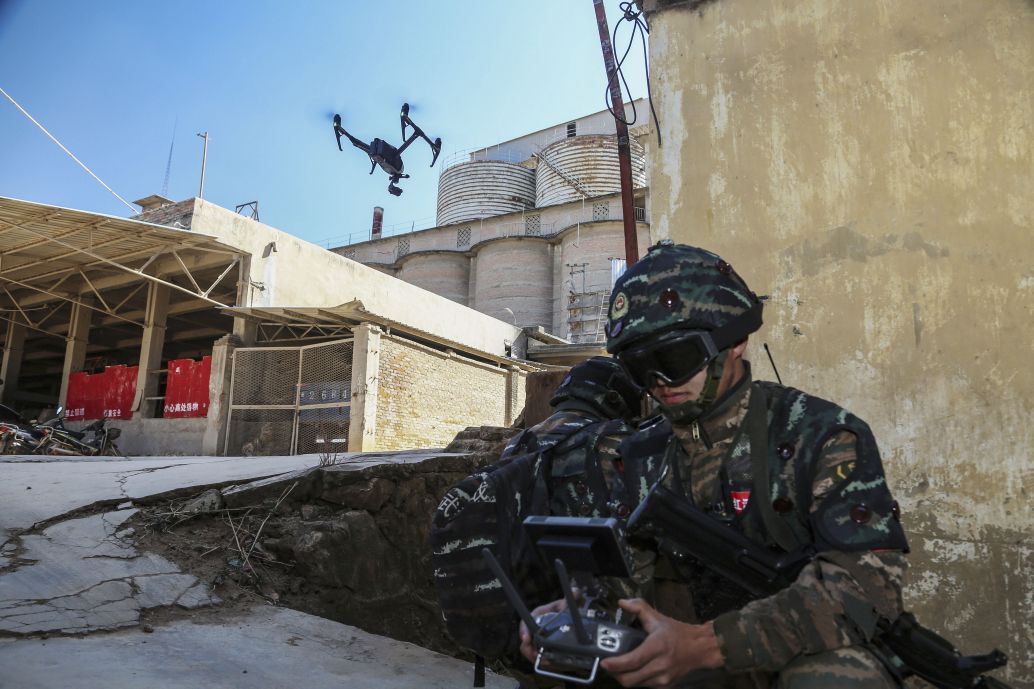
(425, 397)
(179, 215)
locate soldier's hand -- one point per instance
(671, 650)
(527, 649)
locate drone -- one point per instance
(387, 156)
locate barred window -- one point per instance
(351, 253)
(403, 248)
(462, 237)
(601, 210)
(572, 129)
(533, 224)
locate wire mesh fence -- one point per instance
(290, 400)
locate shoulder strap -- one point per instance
(757, 427)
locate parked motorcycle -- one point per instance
(18, 436)
(95, 439)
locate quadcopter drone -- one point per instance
(387, 156)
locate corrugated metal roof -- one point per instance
(42, 245)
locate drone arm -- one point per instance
(339, 131)
(436, 146)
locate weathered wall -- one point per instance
(425, 397)
(152, 437)
(869, 165)
(298, 273)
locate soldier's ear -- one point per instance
(739, 348)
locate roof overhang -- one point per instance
(58, 254)
(302, 319)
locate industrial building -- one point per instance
(529, 231)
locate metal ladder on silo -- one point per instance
(570, 179)
(600, 316)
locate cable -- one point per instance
(643, 29)
(44, 129)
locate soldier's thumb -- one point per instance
(643, 610)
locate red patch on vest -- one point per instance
(740, 498)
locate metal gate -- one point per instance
(290, 400)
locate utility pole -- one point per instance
(204, 158)
(624, 148)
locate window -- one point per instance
(601, 210)
(462, 237)
(617, 268)
(572, 129)
(533, 225)
(351, 253)
(403, 248)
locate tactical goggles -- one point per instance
(672, 358)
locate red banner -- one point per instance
(119, 391)
(186, 390)
(96, 395)
(75, 405)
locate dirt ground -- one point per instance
(224, 549)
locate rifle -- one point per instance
(682, 529)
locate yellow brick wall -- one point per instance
(425, 397)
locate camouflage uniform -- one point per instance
(825, 490)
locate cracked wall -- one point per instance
(869, 167)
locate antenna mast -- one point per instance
(168, 165)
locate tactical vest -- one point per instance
(792, 427)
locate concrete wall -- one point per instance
(514, 279)
(869, 165)
(425, 397)
(426, 264)
(298, 273)
(150, 437)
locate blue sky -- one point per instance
(110, 80)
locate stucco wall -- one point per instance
(425, 397)
(869, 166)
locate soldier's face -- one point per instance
(671, 395)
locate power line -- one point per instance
(70, 154)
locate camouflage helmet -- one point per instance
(601, 383)
(679, 287)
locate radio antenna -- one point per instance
(772, 361)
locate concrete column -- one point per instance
(366, 364)
(246, 330)
(151, 345)
(219, 395)
(75, 343)
(14, 349)
(512, 380)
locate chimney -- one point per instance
(378, 219)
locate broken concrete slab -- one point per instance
(78, 576)
(268, 647)
(34, 491)
(162, 590)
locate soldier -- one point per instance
(788, 470)
(595, 408)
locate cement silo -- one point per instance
(584, 166)
(483, 188)
(446, 273)
(514, 281)
(589, 255)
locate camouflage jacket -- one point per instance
(583, 470)
(826, 491)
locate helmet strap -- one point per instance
(694, 409)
